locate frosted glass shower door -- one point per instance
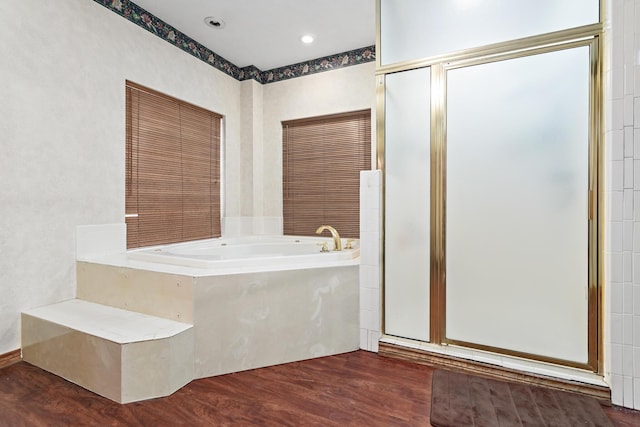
(517, 204)
(407, 203)
(413, 29)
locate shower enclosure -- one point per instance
(489, 141)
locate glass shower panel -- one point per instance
(407, 203)
(415, 29)
(517, 204)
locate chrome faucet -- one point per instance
(337, 243)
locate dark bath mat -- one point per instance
(462, 400)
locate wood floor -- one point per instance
(352, 389)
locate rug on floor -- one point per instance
(463, 400)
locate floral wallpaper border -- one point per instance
(139, 16)
(328, 63)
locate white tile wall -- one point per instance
(102, 239)
(370, 259)
(267, 225)
(622, 186)
(234, 226)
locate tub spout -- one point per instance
(337, 243)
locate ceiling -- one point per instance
(266, 33)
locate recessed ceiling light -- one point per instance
(214, 22)
(308, 38)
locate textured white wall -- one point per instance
(622, 157)
(62, 129)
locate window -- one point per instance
(322, 160)
(172, 169)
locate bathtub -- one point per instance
(273, 252)
(253, 301)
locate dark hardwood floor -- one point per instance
(352, 389)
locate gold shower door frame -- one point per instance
(584, 36)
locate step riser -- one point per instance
(88, 361)
(169, 296)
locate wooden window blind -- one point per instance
(172, 169)
(322, 160)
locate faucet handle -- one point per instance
(325, 246)
(348, 244)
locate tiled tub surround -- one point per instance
(370, 259)
(253, 320)
(242, 319)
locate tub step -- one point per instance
(119, 354)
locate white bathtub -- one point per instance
(254, 251)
